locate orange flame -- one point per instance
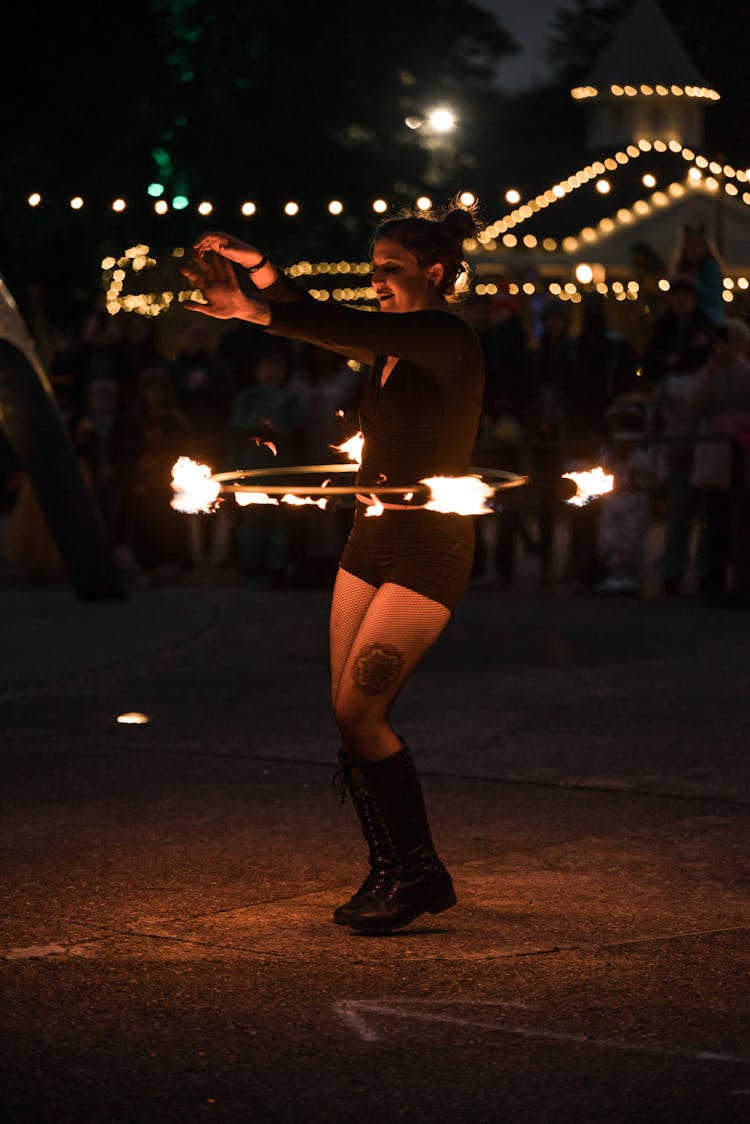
(594, 482)
(375, 508)
(244, 499)
(268, 444)
(194, 488)
(463, 495)
(300, 501)
(352, 447)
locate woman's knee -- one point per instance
(354, 720)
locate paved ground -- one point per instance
(168, 953)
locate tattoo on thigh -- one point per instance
(376, 668)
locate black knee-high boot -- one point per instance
(406, 877)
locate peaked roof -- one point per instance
(645, 51)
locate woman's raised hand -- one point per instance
(223, 298)
(229, 247)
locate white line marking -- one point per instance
(33, 952)
(354, 1011)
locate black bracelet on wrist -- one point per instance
(258, 265)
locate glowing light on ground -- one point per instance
(132, 718)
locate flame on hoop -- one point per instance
(375, 508)
(462, 495)
(594, 482)
(244, 499)
(300, 501)
(194, 488)
(352, 447)
(268, 444)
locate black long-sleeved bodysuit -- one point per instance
(421, 423)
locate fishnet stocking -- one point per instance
(378, 636)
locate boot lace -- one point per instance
(340, 783)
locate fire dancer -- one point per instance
(402, 572)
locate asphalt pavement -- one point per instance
(167, 949)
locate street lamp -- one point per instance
(442, 119)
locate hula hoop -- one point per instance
(497, 478)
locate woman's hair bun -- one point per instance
(459, 223)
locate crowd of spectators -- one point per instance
(134, 404)
(565, 391)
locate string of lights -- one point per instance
(595, 171)
(704, 175)
(581, 92)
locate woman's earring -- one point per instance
(430, 281)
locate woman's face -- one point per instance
(401, 284)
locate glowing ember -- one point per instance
(463, 495)
(352, 447)
(594, 482)
(133, 718)
(268, 444)
(194, 489)
(244, 499)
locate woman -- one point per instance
(403, 572)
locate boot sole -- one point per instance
(383, 927)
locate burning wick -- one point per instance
(462, 495)
(133, 718)
(595, 482)
(194, 489)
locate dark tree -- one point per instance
(257, 100)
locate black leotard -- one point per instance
(423, 421)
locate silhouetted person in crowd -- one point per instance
(721, 403)
(602, 366)
(696, 257)
(205, 391)
(157, 535)
(505, 406)
(624, 518)
(682, 337)
(265, 422)
(138, 348)
(551, 363)
(681, 341)
(104, 449)
(94, 354)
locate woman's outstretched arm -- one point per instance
(436, 340)
(266, 276)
